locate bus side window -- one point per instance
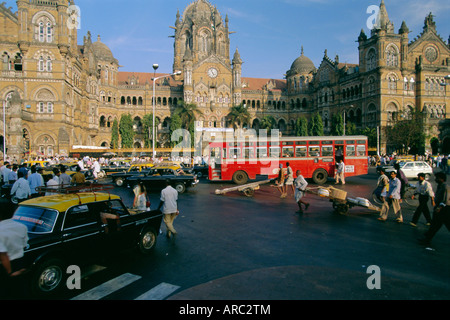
(288, 152)
(361, 151)
(350, 151)
(314, 151)
(274, 152)
(300, 152)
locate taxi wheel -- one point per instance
(119, 182)
(180, 187)
(147, 240)
(48, 277)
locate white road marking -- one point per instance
(159, 292)
(107, 288)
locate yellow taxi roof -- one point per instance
(168, 166)
(62, 202)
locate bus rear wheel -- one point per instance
(320, 177)
(240, 177)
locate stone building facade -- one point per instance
(70, 93)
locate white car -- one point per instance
(413, 168)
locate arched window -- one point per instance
(49, 64)
(41, 64)
(371, 62)
(391, 56)
(44, 29)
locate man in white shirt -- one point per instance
(169, 204)
(96, 169)
(340, 172)
(13, 240)
(300, 188)
(425, 192)
(21, 188)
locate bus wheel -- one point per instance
(240, 177)
(320, 176)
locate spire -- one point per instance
(383, 17)
(302, 51)
(362, 36)
(237, 57)
(404, 28)
(429, 25)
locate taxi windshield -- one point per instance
(37, 220)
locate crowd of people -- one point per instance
(436, 161)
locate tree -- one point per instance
(371, 134)
(147, 127)
(301, 127)
(350, 129)
(115, 135)
(337, 126)
(126, 130)
(407, 134)
(316, 125)
(175, 124)
(239, 116)
(188, 113)
(268, 123)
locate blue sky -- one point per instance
(269, 34)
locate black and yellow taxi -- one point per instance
(135, 169)
(157, 177)
(77, 227)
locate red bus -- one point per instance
(316, 157)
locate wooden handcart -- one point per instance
(341, 203)
(247, 189)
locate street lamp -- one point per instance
(155, 66)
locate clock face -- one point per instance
(212, 72)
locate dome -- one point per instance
(198, 9)
(102, 51)
(302, 65)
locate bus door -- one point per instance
(338, 152)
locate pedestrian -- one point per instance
(141, 201)
(21, 189)
(78, 178)
(424, 191)
(441, 213)
(392, 198)
(24, 170)
(340, 172)
(289, 179)
(300, 189)
(401, 176)
(444, 164)
(169, 205)
(64, 179)
(96, 170)
(279, 182)
(382, 185)
(13, 240)
(6, 172)
(12, 176)
(35, 180)
(53, 183)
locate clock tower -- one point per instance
(202, 53)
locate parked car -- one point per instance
(199, 170)
(156, 179)
(413, 168)
(390, 167)
(78, 229)
(117, 166)
(135, 169)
